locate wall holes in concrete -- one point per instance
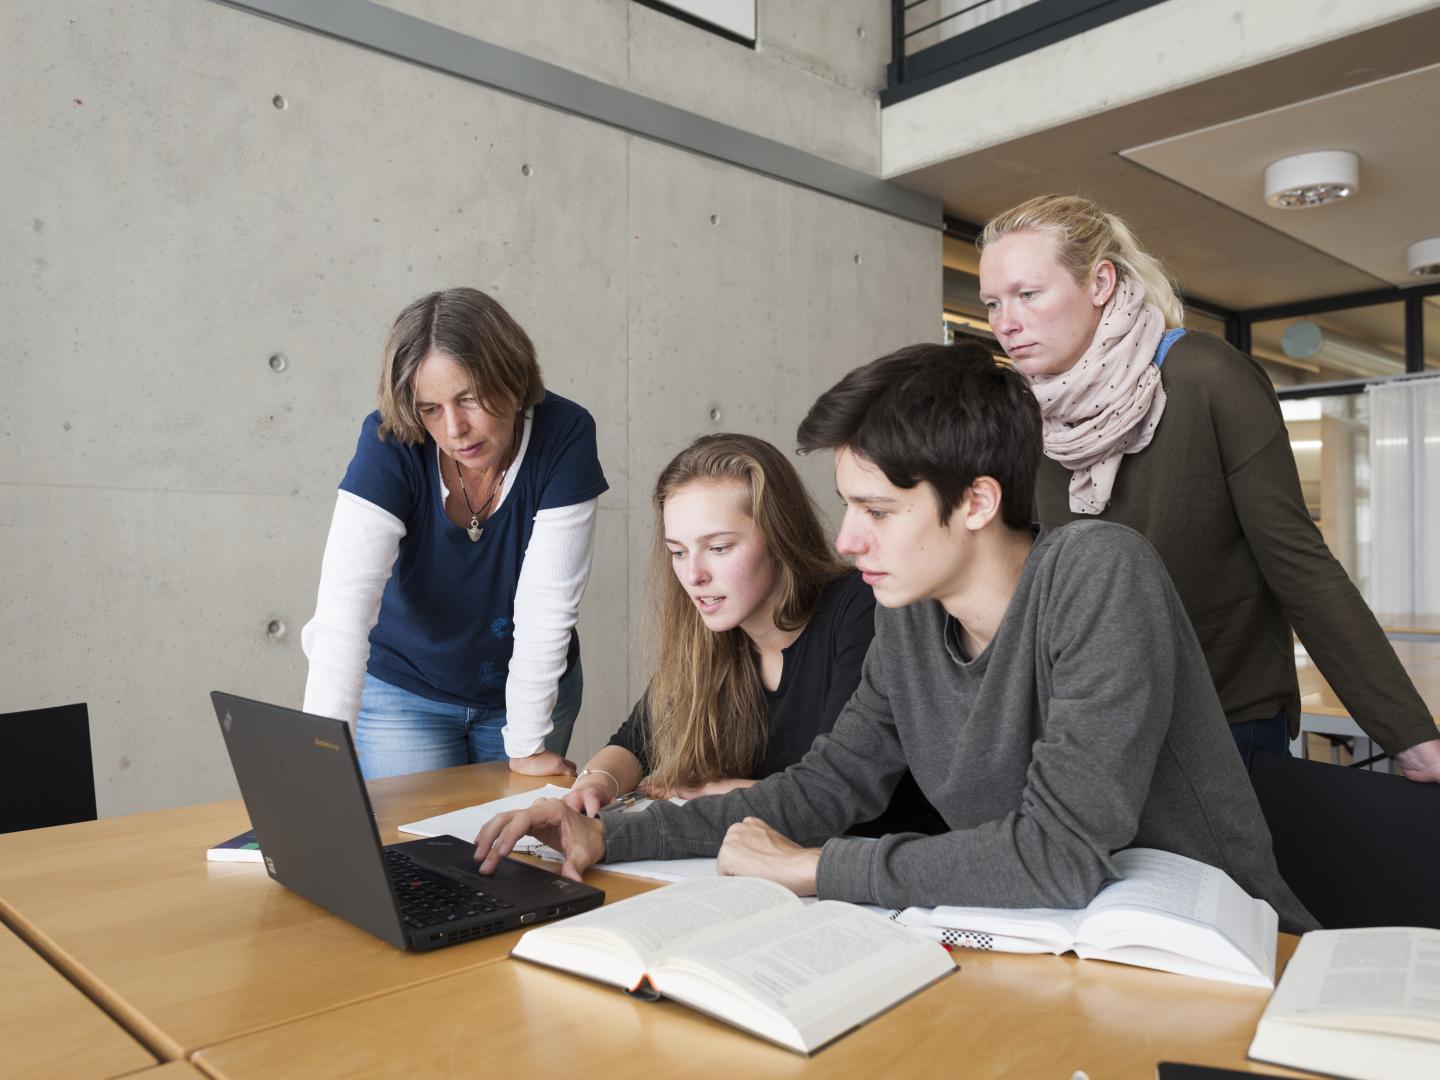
(714, 219)
(525, 170)
(715, 415)
(275, 630)
(860, 31)
(279, 102)
(858, 260)
(278, 363)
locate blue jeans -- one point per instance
(401, 732)
(1272, 736)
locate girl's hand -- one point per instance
(589, 797)
(714, 787)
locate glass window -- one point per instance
(1431, 307)
(1358, 342)
(1330, 438)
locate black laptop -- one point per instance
(301, 782)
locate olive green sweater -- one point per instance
(1217, 493)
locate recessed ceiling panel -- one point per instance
(1391, 124)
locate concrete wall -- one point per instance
(165, 493)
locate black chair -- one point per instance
(46, 775)
(1357, 847)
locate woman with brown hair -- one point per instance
(444, 629)
(760, 634)
(1179, 436)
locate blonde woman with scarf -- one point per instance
(1179, 436)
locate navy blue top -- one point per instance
(448, 613)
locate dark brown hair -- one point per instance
(944, 414)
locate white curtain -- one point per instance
(1405, 496)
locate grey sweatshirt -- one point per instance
(1089, 724)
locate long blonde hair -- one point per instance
(1086, 234)
(708, 717)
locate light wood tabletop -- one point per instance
(1421, 660)
(50, 1029)
(1409, 623)
(186, 953)
(999, 1015)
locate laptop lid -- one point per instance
(300, 779)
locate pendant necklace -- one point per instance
(475, 530)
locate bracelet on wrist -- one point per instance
(603, 772)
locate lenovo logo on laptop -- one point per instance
(326, 745)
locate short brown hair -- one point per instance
(478, 334)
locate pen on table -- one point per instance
(629, 799)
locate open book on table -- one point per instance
(748, 952)
(1357, 1003)
(1166, 912)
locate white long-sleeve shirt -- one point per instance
(359, 556)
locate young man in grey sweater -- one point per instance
(1044, 688)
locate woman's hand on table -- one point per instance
(545, 763)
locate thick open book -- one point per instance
(1357, 1003)
(1166, 912)
(748, 952)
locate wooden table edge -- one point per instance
(132, 1022)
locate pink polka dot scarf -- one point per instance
(1109, 404)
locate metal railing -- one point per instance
(929, 47)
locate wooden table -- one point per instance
(1000, 1015)
(1322, 712)
(1410, 625)
(217, 963)
(50, 1029)
(186, 953)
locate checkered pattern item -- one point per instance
(966, 939)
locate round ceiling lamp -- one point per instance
(1423, 257)
(1314, 179)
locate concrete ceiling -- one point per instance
(1392, 124)
(1185, 168)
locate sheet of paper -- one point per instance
(663, 869)
(467, 822)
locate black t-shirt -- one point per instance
(821, 670)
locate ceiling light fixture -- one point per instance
(1423, 257)
(1314, 179)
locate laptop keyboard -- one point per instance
(427, 899)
